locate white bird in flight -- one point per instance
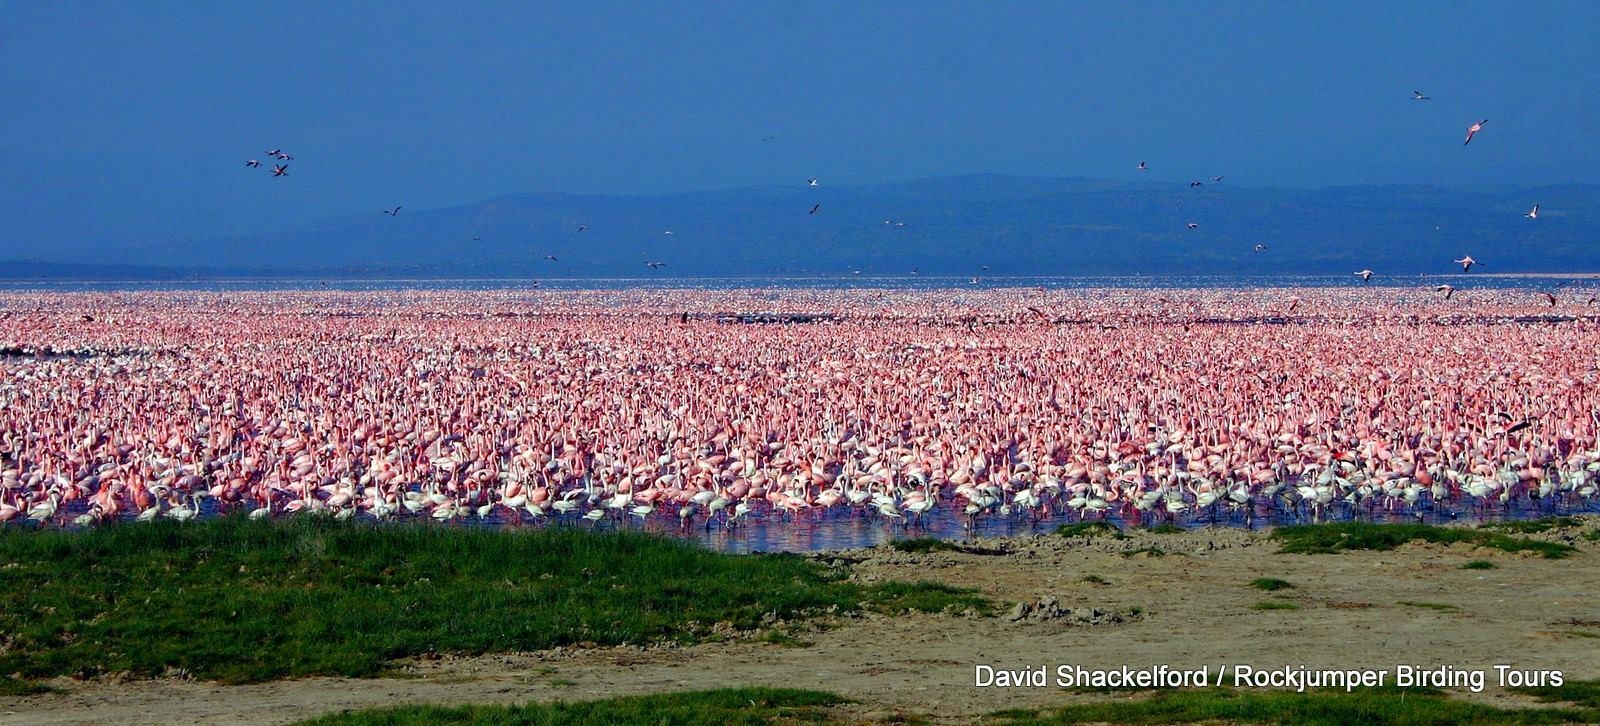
(1466, 263)
(1533, 213)
(1417, 96)
(811, 182)
(1365, 275)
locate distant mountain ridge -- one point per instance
(953, 226)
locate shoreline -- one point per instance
(1087, 603)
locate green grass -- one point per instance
(1531, 526)
(238, 601)
(781, 638)
(1274, 605)
(15, 687)
(1090, 529)
(1271, 584)
(1437, 606)
(1392, 706)
(924, 545)
(746, 706)
(1343, 536)
(899, 598)
(1585, 694)
(1592, 535)
(1479, 565)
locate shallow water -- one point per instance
(849, 282)
(847, 527)
(842, 528)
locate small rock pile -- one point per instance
(1050, 609)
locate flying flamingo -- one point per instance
(280, 170)
(1473, 131)
(1466, 263)
(1447, 290)
(1365, 275)
(1533, 213)
(252, 163)
(392, 212)
(1417, 96)
(1142, 167)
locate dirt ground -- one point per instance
(1189, 608)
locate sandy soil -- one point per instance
(1189, 608)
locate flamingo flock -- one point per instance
(651, 405)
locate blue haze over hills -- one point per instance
(125, 127)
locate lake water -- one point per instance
(927, 282)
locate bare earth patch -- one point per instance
(1189, 608)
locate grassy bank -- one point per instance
(1576, 702)
(237, 600)
(1408, 707)
(1344, 536)
(745, 706)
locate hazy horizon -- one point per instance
(131, 122)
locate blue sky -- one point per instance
(132, 120)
